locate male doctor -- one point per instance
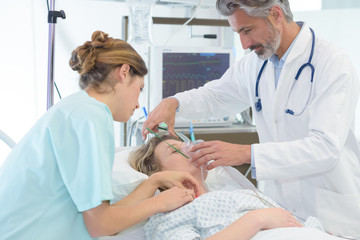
(303, 92)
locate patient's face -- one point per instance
(172, 160)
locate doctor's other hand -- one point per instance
(164, 112)
(174, 198)
(183, 180)
(220, 153)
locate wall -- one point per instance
(24, 61)
(24, 48)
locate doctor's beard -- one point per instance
(270, 47)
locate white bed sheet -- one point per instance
(272, 234)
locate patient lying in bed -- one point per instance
(229, 213)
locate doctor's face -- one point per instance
(255, 34)
(171, 160)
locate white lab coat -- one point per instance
(309, 163)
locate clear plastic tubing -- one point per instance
(186, 146)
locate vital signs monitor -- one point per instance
(177, 69)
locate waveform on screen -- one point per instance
(185, 71)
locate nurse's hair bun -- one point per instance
(83, 58)
(95, 59)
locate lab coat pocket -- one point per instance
(339, 213)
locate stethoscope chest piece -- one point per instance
(258, 105)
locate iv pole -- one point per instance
(52, 19)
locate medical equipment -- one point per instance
(181, 136)
(185, 147)
(52, 19)
(258, 105)
(177, 69)
(145, 112)
(191, 131)
(3, 136)
(5, 150)
(158, 136)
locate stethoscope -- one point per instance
(258, 105)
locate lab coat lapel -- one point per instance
(287, 77)
(267, 94)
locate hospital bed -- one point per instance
(126, 179)
(6, 144)
(5, 138)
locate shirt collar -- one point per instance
(275, 59)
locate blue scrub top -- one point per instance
(60, 168)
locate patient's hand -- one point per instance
(174, 198)
(275, 218)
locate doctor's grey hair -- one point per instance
(254, 8)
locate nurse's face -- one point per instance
(171, 160)
(256, 34)
(128, 98)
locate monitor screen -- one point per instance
(186, 70)
(177, 69)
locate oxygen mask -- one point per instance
(185, 148)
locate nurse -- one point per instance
(303, 92)
(56, 183)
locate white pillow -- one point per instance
(124, 178)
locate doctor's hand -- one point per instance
(222, 154)
(183, 180)
(164, 112)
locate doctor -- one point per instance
(303, 92)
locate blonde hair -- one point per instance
(95, 59)
(143, 159)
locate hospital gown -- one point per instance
(209, 214)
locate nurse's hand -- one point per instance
(183, 180)
(164, 112)
(222, 154)
(173, 198)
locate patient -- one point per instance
(220, 214)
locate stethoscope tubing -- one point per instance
(258, 104)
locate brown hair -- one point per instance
(143, 158)
(95, 59)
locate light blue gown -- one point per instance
(60, 168)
